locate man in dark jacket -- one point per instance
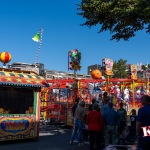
(122, 113)
(111, 123)
(143, 124)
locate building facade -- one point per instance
(47, 74)
(93, 67)
(38, 67)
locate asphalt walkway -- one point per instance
(52, 137)
(59, 137)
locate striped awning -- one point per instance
(15, 78)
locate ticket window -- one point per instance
(16, 100)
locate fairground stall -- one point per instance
(19, 104)
(54, 101)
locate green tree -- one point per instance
(119, 69)
(123, 18)
(145, 67)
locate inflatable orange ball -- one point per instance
(5, 57)
(96, 74)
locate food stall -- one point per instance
(19, 104)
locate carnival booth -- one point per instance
(54, 101)
(19, 104)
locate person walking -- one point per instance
(122, 113)
(143, 124)
(126, 98)
(95, 126)
(130, 138)
(111, 122)
(105, 105)
(85, 131)
(78, 124)
(74, 107)
(91, 105)
(100, 101)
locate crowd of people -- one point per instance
(102, 124)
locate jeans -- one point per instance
(110, 135)
(85, 135)
(131, 136)
(95, 140)
(78, 125)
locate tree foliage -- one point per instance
(146, 67)
(123, 18)
(119, 69)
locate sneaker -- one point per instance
(86, 142)
(71, 142)
(75, 141)
(80, 144)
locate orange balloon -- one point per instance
(96, 74)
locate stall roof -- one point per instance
(11, 77)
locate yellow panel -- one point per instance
(7, 74)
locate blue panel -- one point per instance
(20, 75)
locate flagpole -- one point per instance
(36, 59)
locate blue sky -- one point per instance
(21, 19)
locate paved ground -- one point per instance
(51, 138)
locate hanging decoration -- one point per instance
(96, 74)
(5, 57)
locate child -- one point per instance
(130, 138)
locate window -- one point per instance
(16, 100)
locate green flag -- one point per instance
(37, 37)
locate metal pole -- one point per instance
(75, 85)
(147, 79)
(133, 101)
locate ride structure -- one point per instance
(58, 98)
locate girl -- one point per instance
(130, 138)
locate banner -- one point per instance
(134, 72)
(108, 64)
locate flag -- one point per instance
(38, 36)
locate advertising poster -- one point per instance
(134, 72)
(108, 66)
